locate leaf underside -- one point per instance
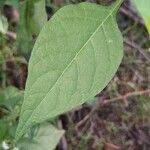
(75, 56)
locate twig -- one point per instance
(108, 101)
(80, 123)
(126, 96)
(63, 141)
(133, 16)
(135, 46)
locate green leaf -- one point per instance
(46, 138)
(10, 96)
(3, 24)
(40, 15)
(2, 2)
(143, 7)
(35, 15)
(1, 58)
(32, 18)
(13, 3)
(75, 56)
(3, 130)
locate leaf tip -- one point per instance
(116, 5)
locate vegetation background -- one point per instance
(117, 118)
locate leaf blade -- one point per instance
(73, 71)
